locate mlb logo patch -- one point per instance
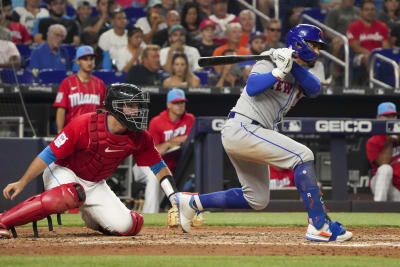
(60, 140)
(291, 126)
(393, 126)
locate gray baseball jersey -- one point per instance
(251, 147)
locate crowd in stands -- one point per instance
(39, 35)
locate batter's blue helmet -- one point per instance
(297, 36)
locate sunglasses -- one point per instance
(274, 30)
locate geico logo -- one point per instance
(217, 124)
(343, 126)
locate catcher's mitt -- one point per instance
(173, 220)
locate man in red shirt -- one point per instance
(366, 34)
(79, 93)
(383, 153)
(19, 33)
(82, 156)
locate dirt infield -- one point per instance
(249, 241)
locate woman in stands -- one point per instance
(181, 73)
(190, 20)
(130, 55)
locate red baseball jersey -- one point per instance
(280, 178)
(369, 37)
(374, 147)
(163, 129)
(86, 147)
(79, 98)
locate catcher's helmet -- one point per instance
(297, 37)
(119, 96)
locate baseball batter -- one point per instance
(82, 156)
(251, 142)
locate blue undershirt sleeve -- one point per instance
(47, 155)
(156, 168)
(258, 83)
(310, 84)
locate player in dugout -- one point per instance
(251, 142)
(82, 156)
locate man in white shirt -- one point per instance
(177, 40)
(153, 22)
(115, 38)
(29, 13)
(9, 55)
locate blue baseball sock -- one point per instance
(229, 199)
(306, 183)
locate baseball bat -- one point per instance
(226, 60)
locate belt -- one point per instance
(233, 114)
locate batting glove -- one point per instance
(283, 58)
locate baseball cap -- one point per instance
(207, 23)
(176, 95)
(82, 3)
(84, 50)
(387, 108)
(175, 27)
(153, 3)
(256, 34)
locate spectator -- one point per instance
(383, 154)
(171, 127)
(207, 46)
(102, 59)
(233, 35)
(290, 11)
(177, 40)
(83, 12)
(231, 75)
(50, 55)
(9, 55)
(248, 21)
(115, 38)
(102, 22)
(364, 35)
(160, 38)
(79, 93)
(153, 22)
(329, 4)
(56, 10)
(339, 19)
(130, 55)
(273, 33)
(257, 43)
(181, 76)
(390, 13)
(149, 72)
(167, 6)
(29, 13)
(19, 33)
(5, 33)
(205, 9)
(222, 19)
(190, 20)
(280, 178)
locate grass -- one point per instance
(260, 219)
(194, 261)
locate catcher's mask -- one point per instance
(297, 37)
(129, 104)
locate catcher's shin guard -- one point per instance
(137, 223)
(35, 208)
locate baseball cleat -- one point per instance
(186, 211)
(4, 233)
(330, 231)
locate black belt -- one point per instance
(232, 115)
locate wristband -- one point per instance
(169, 187)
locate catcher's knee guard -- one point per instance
(55, 200)
(137, 223)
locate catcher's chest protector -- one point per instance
(56, 200)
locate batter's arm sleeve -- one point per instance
(258, 83)
(310, 84)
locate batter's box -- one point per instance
(393, 127)
(292, 126)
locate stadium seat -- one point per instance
(314, 12)
(135, 12)
(383, 71)
(50, 76)
(71, 49)
(70, 11)
(203, 76)
(94, 12)
(25, 52)
(110, 77)
(23, 76)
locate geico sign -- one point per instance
(217, 124)
(336, 126)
